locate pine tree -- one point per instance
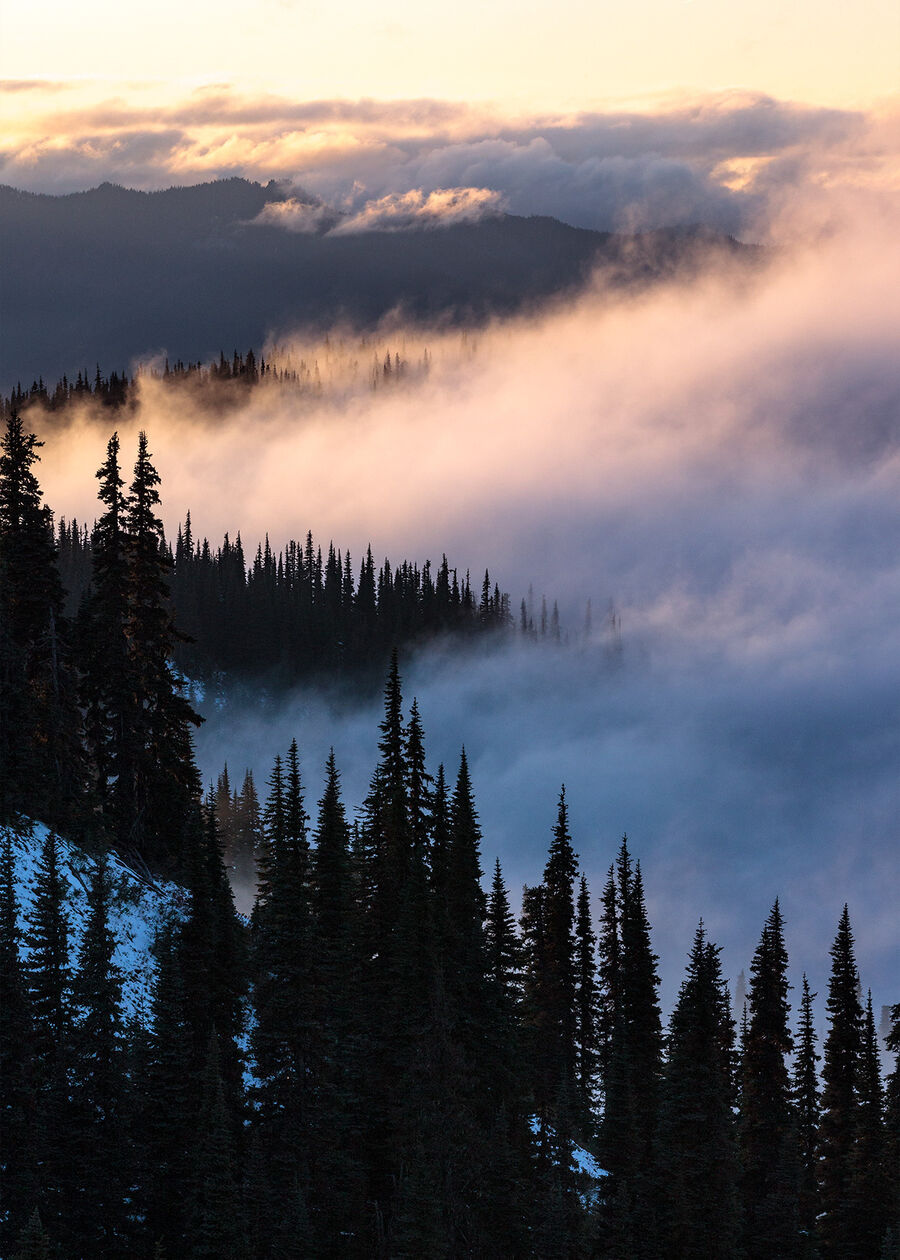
(559, 971)
(867, 1207)
(635, 1067)
(891, 1246)
(806, 1111)
(165, 784)
(840, 1076)
(767, 1136)
(699, 1208)
(609, 977)
(586, 1037)
(108, 689)
(41, 766)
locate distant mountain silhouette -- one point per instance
(113, 274)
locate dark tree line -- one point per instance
(221, 383)
(297, 615)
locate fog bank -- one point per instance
(721, 461)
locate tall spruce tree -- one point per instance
(840, 1077)
(609, 977)
(165, 788)
(586, 1011)
(868, 1193)
(109, 693)
(891, 1246)
(700, 1217)
(556, 1072)
(767, 1132)
(41, 763)
(634, 1071)
(806, 1112)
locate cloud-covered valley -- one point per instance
(719, 461)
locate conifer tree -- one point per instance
(557, 1069)
(41, 765)
(699, 1208)
(767, 1135)
(274, 831)
(586, 1048)
(806, 1111)
(166, 784)
(867, 1207)
(840, 1077)
(891, 1246)
(108, 689)
(635, 1068)
(609, 978)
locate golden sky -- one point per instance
(525, 54)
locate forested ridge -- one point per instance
(221, 383)
(383, 1061)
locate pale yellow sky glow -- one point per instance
(525, 54)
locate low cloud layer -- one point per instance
(719, 460)
(727, 160)
(396, 212)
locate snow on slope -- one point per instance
(583, 1162)
(139, 909)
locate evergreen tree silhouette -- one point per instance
(840, 1078)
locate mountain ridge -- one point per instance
(114, 274)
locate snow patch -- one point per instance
(139, 909)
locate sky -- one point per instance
(569, 54)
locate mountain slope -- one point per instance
(113, 274)
(139, 910)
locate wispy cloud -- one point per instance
(397, 212)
